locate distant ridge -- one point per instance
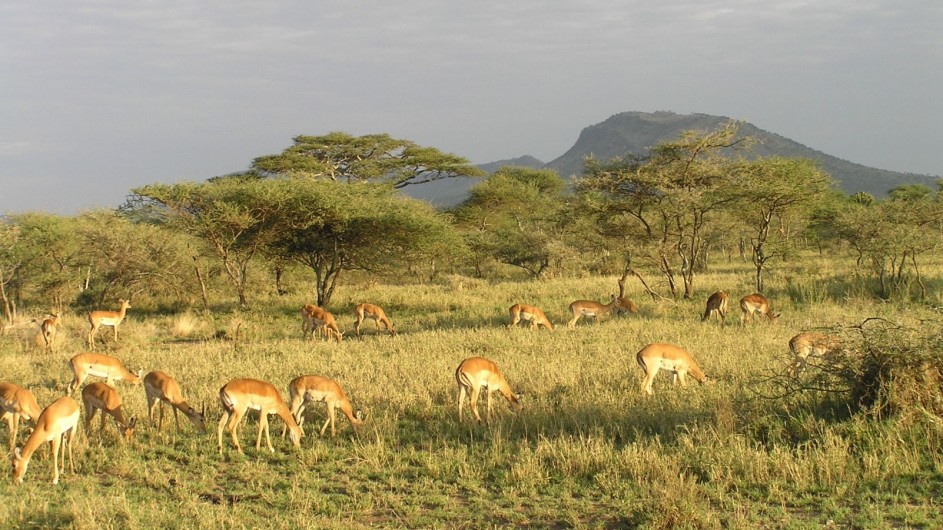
(635, 132)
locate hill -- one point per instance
(635, 132)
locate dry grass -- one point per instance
(588, 450)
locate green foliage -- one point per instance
(341, 156)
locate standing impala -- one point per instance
(592, 309)
(716, 303)
(375, 312)
(48, 329)
(17, 403)
(532, 314)
(658, 356)
(160, 388)
(753, 304)
(58, 420)
(240, 395)
(315, 318)
(810, 344)
(97, 364)
(315, 389)
(106, 318)
(99, 396)
(476, 373)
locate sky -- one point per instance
(98, 97)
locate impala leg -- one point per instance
(461, 401)
(8, 416)
(54, 446)
(176, 419)
(476, 391)
(219, 431)
(69, 436)
(13, 419)
(327, 421)
(490, 390)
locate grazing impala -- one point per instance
(810, 344)
(48, 329)
(365, 311)
(58, 420)
(17, 403)
(476, 373)
(240, 395)
(160, 388)
(532, 314)
(97, 364)
(315, 389)
(99, 396)
(716, 303)
(753, 304)
(316, 319)
(106, 318)
(592, 309)
(658, 356)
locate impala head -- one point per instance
(198, 418)
(128, 429)
(517, 401)
(359, 418)
(19, 466)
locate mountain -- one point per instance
(635, 132)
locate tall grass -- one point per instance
(588, 450)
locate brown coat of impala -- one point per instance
(755, 304)
(160, 388)
(528, 313)
(106, 318)
(241, 395)
(810, 344)
(376, 313)
(99, 365)
(316, 319)
(593, 309)
(477, 373)
(17, 403)
(318, 389)
(716, 304)
(660, 356)
(99, 396)
(55, 422)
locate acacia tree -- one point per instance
(332, 227)
(773, 194)
(233, 215)
(667, 199)
(513, 216)
(373, 157)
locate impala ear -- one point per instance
(17, 455)
(360, 415)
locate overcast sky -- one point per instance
(97, 97)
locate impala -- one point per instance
(240, 395)
(316, 389)
(716, 303)
(48, 329)
(365, 311)
(17, 403)
(592, 309)
(106, 318)
(476, 373)
(810, 344)
(99, 396)
(97, 364)
(532, 314)
(160, 388)
(56, 421)
(315, 318)
(753, 304)
(658, 356)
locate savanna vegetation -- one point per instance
(216, 273)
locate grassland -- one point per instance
(587, 451)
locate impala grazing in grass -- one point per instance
(531, 314)
(755, 304)
(475, 374)
(375, 312)
(160, 388)
(660, 356)
(55, 422)
(106, 318)
(716, 304)
(100, 365)
(317, 389)
(239, 396)
(17, 403)
(99, 396)
(808, 345)
(316, 319)
(593, 309)
(48, 329)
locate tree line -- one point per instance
(329, 206)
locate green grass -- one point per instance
(588, 450)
